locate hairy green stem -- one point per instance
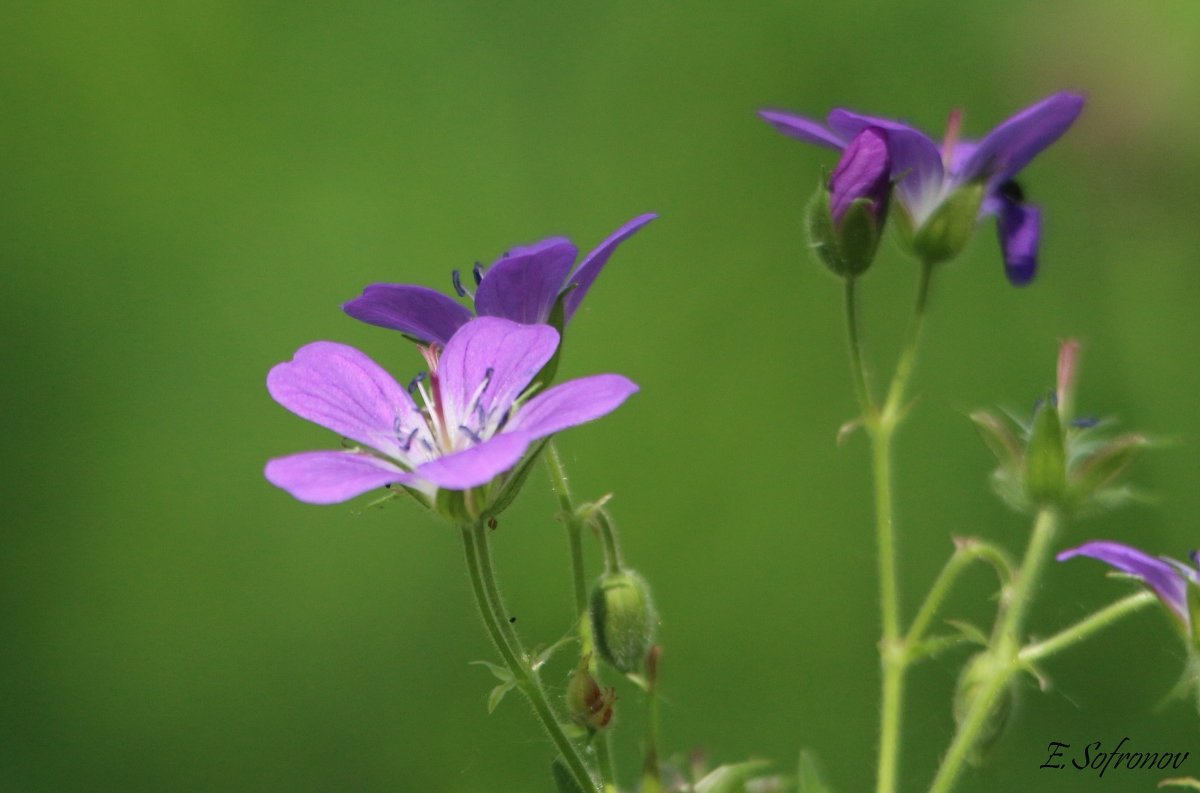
(487, 598)
(1003, 652)
(967, 552)
(858, 369)
(1031, 653)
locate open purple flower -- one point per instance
(477, 419)
(1168, 578)
(928, 173)
(522, 285)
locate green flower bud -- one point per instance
(975, 675)
(1045, 458)
(623, 619)
(946, 232)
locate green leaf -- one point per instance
(809, 778)
(498, 693)
(731, 778)
(1187, 782)
(969, 632)
(502, 674)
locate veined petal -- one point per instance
(504, 353)
(572, 403)
(340, 388)
(477, 465)
(916, 159)
(585, 274)
(1019, 227)
(863, 172)
(1013, 143)
(1164, 579)
(418, 311)
(331, 477)
(524, 283)
(804, 129)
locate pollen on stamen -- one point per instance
(415, 383)
(459, 289)
(477, 271)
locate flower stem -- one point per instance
(908, 353)
(483, 586)
(965, 553)
(858, 370)
(1003, 651)
(558, 480)
(1083, 629)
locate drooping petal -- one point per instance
(572, 403)
(422, 313)
(477, 465)
(506, 354)
(524, 283)
(340, 388)
(916, 159)
(863, 172)
(802, 128)
(331, 477)
(1010, 146)
(585, 274)
(1019, 227)
(1163, 578)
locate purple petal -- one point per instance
(1160, 576)
(340, 388)
(477, 465)
(1010, 146)
(802, 128)
(524, 283)
(863, 172)
(1019, 227)
(916, 160)
(504, 353)
(422, 313)
(331, 477)
(572, 403)
(586, 272)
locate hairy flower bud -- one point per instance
(846, 217)
(590, 705)
(623, 619)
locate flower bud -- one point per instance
(846, 217)
(623, 619)
(974, 676)
(1045, 458)
(946, 232)
(589, 705)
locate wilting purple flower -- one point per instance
(863, 172)
(1167, 577)
(522, 285)
(928, 173)
(475, 422)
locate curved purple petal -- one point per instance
(802, 128)
(585, 274)
(1019, 227)
(916, 159)
(572, 403)
(331, 477)
(418, 311)
(863, 172)
(1160, 576)
(524, 283)
(477, 465)
(1013, 143)
(504, 353)
(340, 388)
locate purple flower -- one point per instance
(522, 285)
(477, 419)
(929, 173)
(1167, 577)
(864, 172)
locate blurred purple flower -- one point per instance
(475, 423)
(1167, 577)
(928, 173)
(522, 285)
(865, 171)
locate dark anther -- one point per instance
(1085, 422)
(428, 446)
(408, 441)
(413, 383)
(487, 377)
(456, 277)
(1012, 191)
(470, 433)
(477, 271)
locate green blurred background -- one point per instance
(190, 190)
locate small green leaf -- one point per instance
(969, 632)
(502, 674)
(731, 777)
(998, 438)
(809, 778)
(498, 693)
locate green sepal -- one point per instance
(946, 232)
(847, 250)
(822, 236)
(502, 674)
(1106, 464)
(515, 481)
(1045, 458)
(452, 504)
(809, 778)
(731, 777)
(998, 438)
(564, 780)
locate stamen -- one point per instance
(408, 441)
(415, 382)
(474, 436)
(1085, 422)
(456, 278)
(428, 446)
(953, 128)
(477, 271)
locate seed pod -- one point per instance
(623, 619)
